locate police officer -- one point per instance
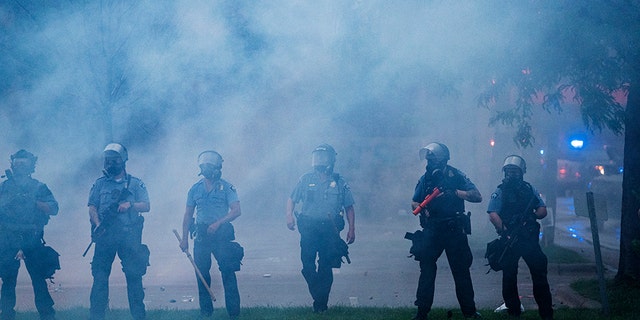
(215, 204)
(325, 195)
(25, 207)
(443, 221)
(116, 201)
(513, 210)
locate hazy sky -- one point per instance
(261, 82)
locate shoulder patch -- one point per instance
(460, 172)
(142, 185)
(494, 195)
(232, 187)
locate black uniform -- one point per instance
(443, 230)
(22, 228)
(516, 203)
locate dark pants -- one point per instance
(126, 243)
(9, 273)
(315, 240)
(529, 249)
(456, 246)
(203, 247)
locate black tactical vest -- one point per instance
(518, 202)
(18, 203)
(448, 204)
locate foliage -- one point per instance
(573, 54)
(623, 298)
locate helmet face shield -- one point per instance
(23, 163)
(116, 149)
(210, 157)
(515, 161)
(436, 154)
(514, 168)
(210, 164)
(321, 158)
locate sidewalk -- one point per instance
(574, 232)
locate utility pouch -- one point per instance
(496, 250)
(418, 244)
(231, 254)
(46, 261)
(140, 260)
(338, 220)
(338, 249)
(465, 222)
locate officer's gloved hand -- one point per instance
(448, 192)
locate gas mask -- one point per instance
(113, 166)
(21, 167)
(434, 164)
(512, 176)
(210, 171)
(322, 159)
(322, 169)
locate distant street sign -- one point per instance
(581, 209)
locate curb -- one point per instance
(563, 294)
(567, 297)
(569, 269)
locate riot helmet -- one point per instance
(514, 168)
(436, 154)
(23, 163)
(210, 163)
(115, 157)
(323, 158)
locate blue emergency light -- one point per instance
(576, 142)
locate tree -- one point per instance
(584, 53)
(90, 51)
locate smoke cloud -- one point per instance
(262, 83)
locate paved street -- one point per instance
(381, 274)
